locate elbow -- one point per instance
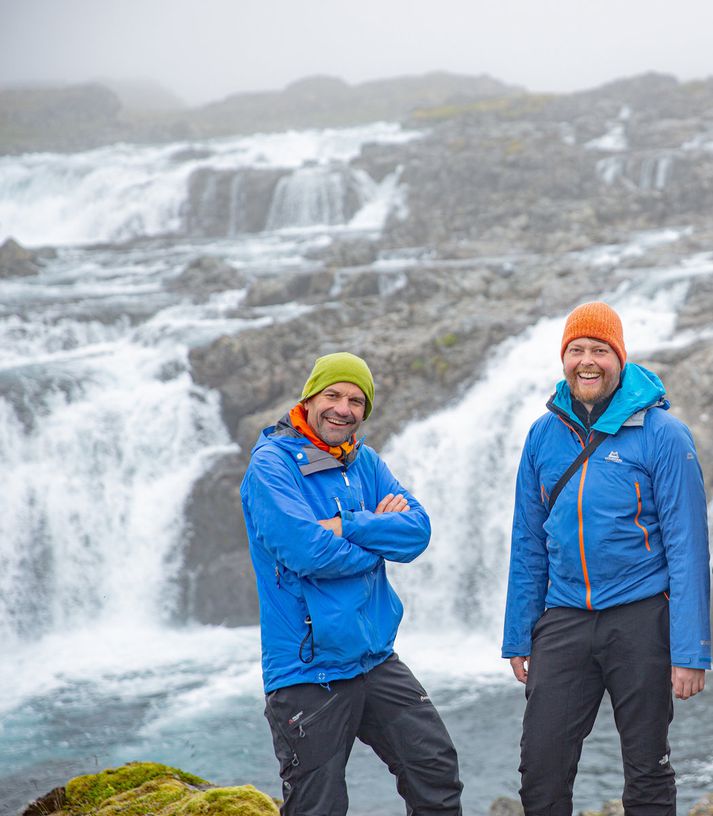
(420, 540)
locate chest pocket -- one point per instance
(348, 495)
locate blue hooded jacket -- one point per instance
(327, 610)
(629, 524)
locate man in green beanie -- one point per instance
(323, 514)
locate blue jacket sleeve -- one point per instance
(394, 536)
(286, 526)
(528, 578)
(681, 506)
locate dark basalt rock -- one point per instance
(205, 275)
(16, 261)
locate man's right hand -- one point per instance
(519, 667)
(392, 504)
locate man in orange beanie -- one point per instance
(609, 582)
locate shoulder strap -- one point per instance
(597, 438)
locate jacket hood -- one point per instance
(640, 389)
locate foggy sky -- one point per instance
(206, 49)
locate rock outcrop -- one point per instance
(16, 261)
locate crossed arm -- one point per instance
(389, 504)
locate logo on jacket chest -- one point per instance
(613, 456)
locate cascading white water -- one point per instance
(95, 474)
(309, 196)
(125, 191)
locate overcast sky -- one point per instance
(205, 49)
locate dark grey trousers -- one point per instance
(577, 655)
(314, 728)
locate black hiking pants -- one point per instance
(314, 727)
(576, 656)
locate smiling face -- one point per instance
(592, 370)
(336, 413)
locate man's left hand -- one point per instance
(392, 504)
(687, 682)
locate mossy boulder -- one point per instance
(244, 800)
(703, 807)
(142, 788)
(86, 793)
(154, 796)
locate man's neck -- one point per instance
(587, 413)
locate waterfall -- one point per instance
(94, 488)
(122, 192)
(647, 172)
(313, 196)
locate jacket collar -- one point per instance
(308, 457)
(640, 390)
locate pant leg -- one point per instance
(564, 690)
(404, 729)
(635, 655)
(313, 731)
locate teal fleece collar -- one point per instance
(640, 388)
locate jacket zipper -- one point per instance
(638, 513)
(580, 515)
(348, 484)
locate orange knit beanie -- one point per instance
(598, 321)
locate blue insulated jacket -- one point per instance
(629, 524)
(327, 610)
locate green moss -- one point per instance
(514, 147)
(151, 797)
(507, 107)
(447, 340)
(152, 789)
(86, 793)
(244, 800)
(440, 367)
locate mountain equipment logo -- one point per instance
(613, 457)
(664, 760)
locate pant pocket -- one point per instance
(309, 724)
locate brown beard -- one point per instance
(605, 390)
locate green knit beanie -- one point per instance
(340, 367)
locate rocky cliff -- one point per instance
(86, 116)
